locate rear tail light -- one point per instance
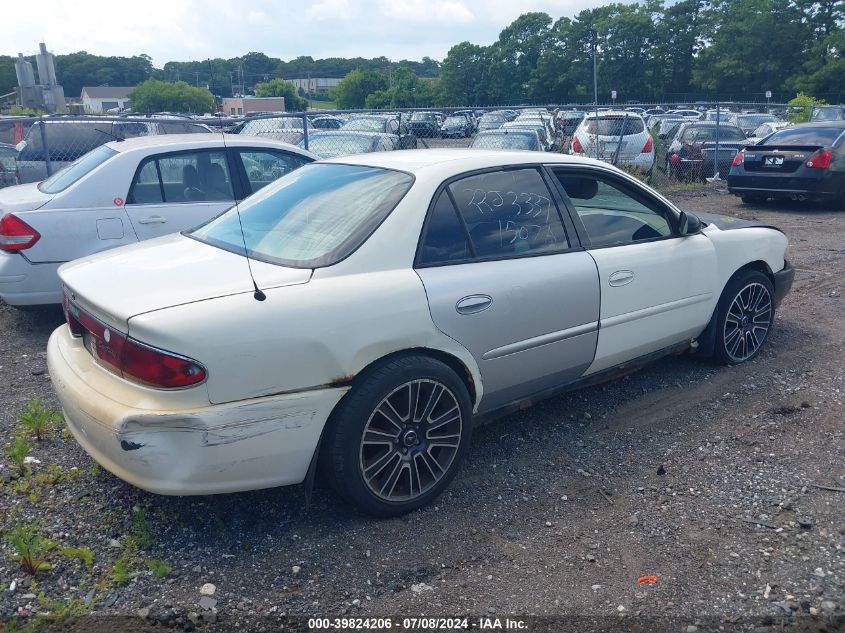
(675, 159)
(132, 359)
(576, 146)
(648, 147)
(739, 157)
(820, 160)
(16, 235)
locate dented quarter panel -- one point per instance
(259, 443)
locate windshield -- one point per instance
(806, 136)
(422, 116)
(312, 217)
(456, 120)
(491, 119)
(330, 146)
(505, 141)
(65, 177)
(365, 125)
(615, 126)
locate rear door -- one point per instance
(657, 288)
(177, 191)
(506, 278)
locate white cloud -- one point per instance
(426, 11)
(329, 10)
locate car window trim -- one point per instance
(626, 187)
(538, 167)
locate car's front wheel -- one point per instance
(399, 436)
(744, 317)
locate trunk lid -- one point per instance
(777, 158)
(22, 198)
(118, 284)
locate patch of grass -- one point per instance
(120, 570)
(31, 547)
(54, 611)
(96, 471)
(18, 452)
(323, 105)
(142, 533)
(38, 419)
(80, 553)
(53, 476)
(159, 568)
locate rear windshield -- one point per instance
(364, 125)
(256, 126)
(828, 114)
(753, 120)
(614, 126)
(505, 141)
(330, 146)
(310, 218)
(65, 177)
(422, 116)
(806, 136)
(700, 134)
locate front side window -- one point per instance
(183, 177)
(64, 178)
(264, 166)
(509, 214)
(611, 215)
(313, 217)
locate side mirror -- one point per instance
(689, 224)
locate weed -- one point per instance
(54, 611)
(53, 476)
(38, 419)
(96, 471)
(19, 452)
(31, 547)
(159, 568)
(80, 553)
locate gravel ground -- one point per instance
(705, 478)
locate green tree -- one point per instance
(282, 88)
(353, 89)
(161, 96)
(461, 75)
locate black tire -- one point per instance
(346, 456)
(742, 331)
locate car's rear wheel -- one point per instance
(744, 317)
(399, 437)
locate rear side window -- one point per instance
(509, 214)
(445, 236)
(264, 166)
(64, 178)
(614, 126)
(182, 177)
(806, 136)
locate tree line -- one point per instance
(650, 51)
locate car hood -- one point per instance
(23, 198)
(729, 223)
(161, 273)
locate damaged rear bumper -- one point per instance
(244, 445)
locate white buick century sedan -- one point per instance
(123, 192)
(356, 316)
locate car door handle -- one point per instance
(153, 219)
(621, 278)
(473, 304)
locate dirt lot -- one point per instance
(703, 477)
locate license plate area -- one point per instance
(773, 161)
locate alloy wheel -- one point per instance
(748, 321)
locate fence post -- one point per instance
(716, 155)
(42, 128)
(305, 129)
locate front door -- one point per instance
(503, 279)
(657, 287)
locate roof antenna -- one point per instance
(258, 294)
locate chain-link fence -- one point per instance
(662, 143)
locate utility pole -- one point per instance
(198, 78)
(594, 40)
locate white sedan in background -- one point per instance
(386, 301)
(125, 192)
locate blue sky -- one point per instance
(185, 30)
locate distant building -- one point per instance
(47, 94)
(244, 105)
(100, 99)
(315, 86)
